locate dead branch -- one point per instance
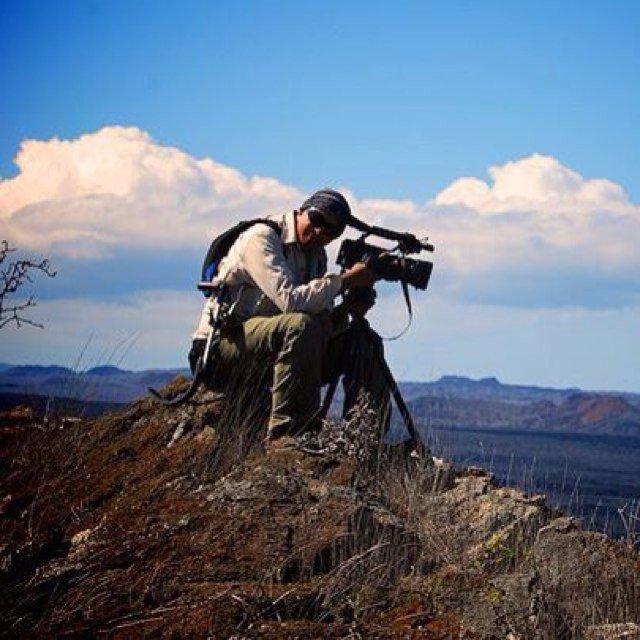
(13, 276)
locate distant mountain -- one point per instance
(99, 384)
(588, 412)
(580, 412)
(106, 371)
(483, 389)
(451, 401)
(36, 371)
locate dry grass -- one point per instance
(402, 559)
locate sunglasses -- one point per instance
(320, 222)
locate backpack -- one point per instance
(220, 247)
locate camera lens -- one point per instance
(417, 273)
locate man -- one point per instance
(281, 308)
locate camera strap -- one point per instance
(407, 299)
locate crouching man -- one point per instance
(282, 315)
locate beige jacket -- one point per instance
(269, 274)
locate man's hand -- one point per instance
(359, 275)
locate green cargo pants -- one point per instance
(303, 352)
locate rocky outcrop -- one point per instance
(174, 523)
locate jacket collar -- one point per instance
(289, 228)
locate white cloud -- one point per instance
(536, 183)
(536, 228)
(540, 221)
(118, 187)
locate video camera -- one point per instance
(388, 264)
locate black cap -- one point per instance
(332, 206)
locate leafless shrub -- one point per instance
(358, 572)
(630, 516)
(15, 275)
(367, 579)
(358, 438)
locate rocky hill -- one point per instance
(172, 523)
(591, 413)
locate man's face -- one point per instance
(311, 237)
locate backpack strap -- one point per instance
(220, 247)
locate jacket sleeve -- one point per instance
(265, 265)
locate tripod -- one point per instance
(414, 445)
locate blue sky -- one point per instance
(392, 102)
(392, 99)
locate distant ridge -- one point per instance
(35, 370)
(578, 412)
(107, 370)
(485, 388)
(452, 401)
(105, 383)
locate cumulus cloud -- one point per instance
(117, 187)
(539, 183)
(534, 233)
(539, 233)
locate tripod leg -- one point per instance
(415, 443)
(328, 398)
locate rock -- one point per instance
(619, 631)
(177, 434)
(81, 538)
(559, 525)
(206, 436)
(582, 572)
(444, 475)
(509, 603)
